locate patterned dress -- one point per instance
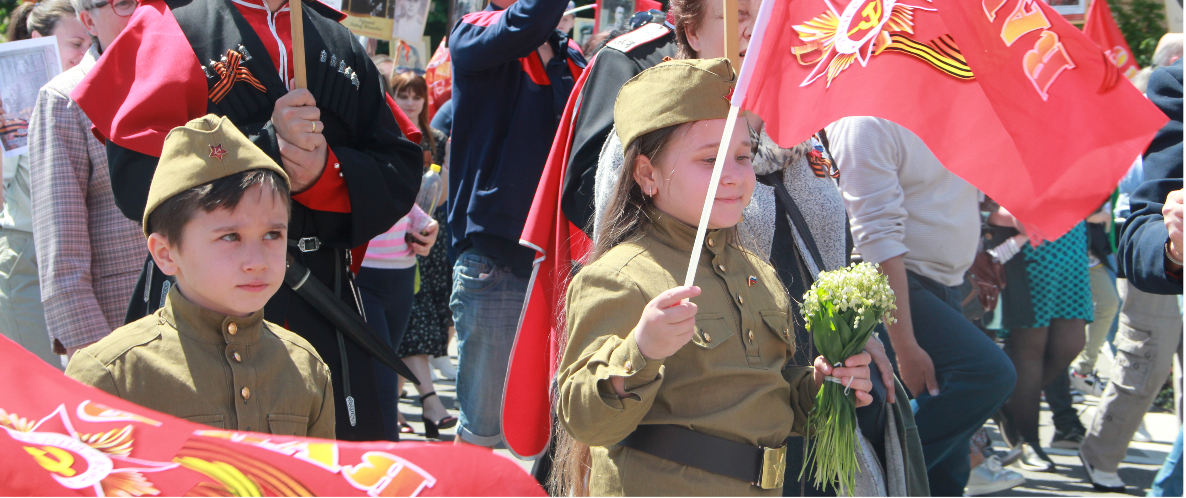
(1053, 280)
(428, 327)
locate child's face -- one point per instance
(229, 262)
(680, 178)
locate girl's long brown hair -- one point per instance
(623, 219)
(409, 81)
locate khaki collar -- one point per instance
(207, 326)
(680, 235)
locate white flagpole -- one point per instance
(740, 89)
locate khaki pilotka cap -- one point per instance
(671, 93)
(204, 150)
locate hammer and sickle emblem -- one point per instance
(53, 459)
(871, 15)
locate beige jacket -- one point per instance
(88, 254)
(728, 381)
(227, 372)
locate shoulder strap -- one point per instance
(800, 224)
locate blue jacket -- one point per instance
(1142, 242)
(507, 105)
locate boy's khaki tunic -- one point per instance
(228, 372)
(728, 381)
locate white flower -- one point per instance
(859, 287)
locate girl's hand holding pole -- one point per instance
(667, 323)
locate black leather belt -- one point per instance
(762, 467)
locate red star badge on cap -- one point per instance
(217, 151)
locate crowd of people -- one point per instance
(206, 244)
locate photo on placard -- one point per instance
(582, 29)
(408, 18)
(615, 14)
(370, 18)
(412, 55)
(373, 8)
(25, 66)
(1069, 7)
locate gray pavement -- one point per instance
(1138, 469)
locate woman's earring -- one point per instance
(651, 191)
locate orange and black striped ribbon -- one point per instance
(940, 52)
(230, 72)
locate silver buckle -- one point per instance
(309, 244)
(774, 466)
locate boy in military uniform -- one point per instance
(217, 221)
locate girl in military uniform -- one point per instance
(660, 416)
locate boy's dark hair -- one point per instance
(169, 219)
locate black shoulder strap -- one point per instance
(800, 224)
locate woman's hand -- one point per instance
(854, 375)
(877, 350)
(422, 244)
(667, 323)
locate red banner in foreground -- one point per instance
(61, 438)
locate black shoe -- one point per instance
(1069, 440)
(1006, 429)
(432, 429)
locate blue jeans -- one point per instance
(487, 302)
(387, 300)
(1169, 479)
(975, 378)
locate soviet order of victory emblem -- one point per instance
(834, 40)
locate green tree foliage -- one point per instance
(6, 7)
(1143, 23)
(438, 23)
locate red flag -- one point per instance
(644, 5)
(439, 76)
(1006, 93)
(62, 438)
(1102, 29)
(527, 402)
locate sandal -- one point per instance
(432, 429)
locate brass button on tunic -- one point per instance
(187, 361)
(721, 383)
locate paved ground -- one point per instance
(1143, 461)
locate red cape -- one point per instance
(149, 81)
(527, 402)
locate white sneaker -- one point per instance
(1088, 384)
(989, 477)
(444, 366)
(1108, 482)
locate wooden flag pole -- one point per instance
(732, 51)
(298, 43)
(732, 35)
(711, 197)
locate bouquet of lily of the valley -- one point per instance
(840, 310)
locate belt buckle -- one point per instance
(774, 467)
(309, 244)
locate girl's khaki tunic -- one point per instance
(728, 381)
